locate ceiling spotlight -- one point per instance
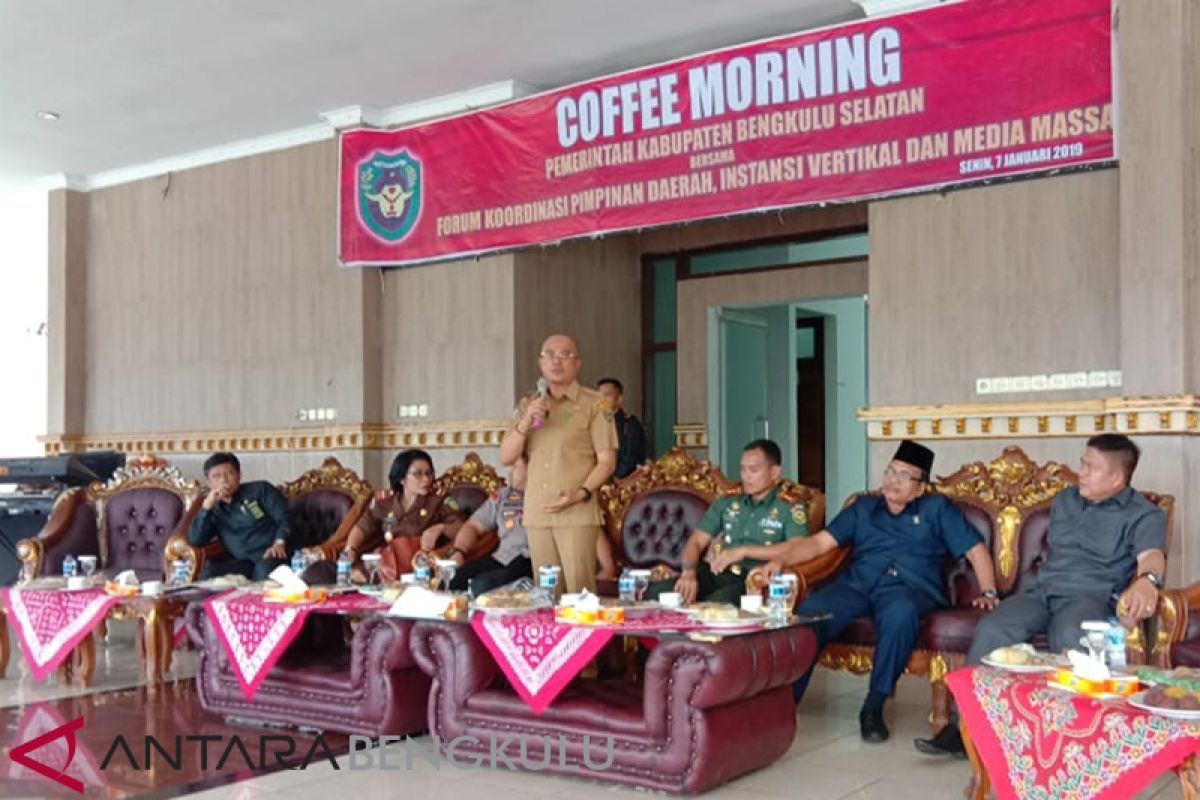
(47, 116)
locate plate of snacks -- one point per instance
(1024, 658)
(510, 600)
(310, 595)
(1186, 677)
(722, 616)
(1169, 701)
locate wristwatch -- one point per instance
(587, 493)
(1154, 578)
(990, 594)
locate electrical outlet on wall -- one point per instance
(983, 386)
(1020, 383)
(1039, 383)
(1001, 385)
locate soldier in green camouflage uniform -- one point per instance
(763, 513)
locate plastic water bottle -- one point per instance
(299, 562)
(626, 586)
(181, 572)
(1114, 643)
(550, 579)
(422, 571)
(70, 566)
(778, 592)
(343, 568)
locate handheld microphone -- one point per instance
(543, 389)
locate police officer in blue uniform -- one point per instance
(899, 539)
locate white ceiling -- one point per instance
(140, 80)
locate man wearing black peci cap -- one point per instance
(899, 540)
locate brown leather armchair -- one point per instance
(1008, 501)
(324, 504)
(126, 522)
(649, 514)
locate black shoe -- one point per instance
(947, 742)
(871, 727)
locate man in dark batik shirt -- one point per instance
(250, 519)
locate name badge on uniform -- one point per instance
(510, 520)
(916, 519)
(252, 508)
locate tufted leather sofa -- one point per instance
(1008, 501)
(370, 687)
(705, 712)
(125, 522)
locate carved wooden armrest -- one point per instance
(331, 549)
(1169, 623)
(807, 572)
(177, 548)
(30, 552)
(662, 572)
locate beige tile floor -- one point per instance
(827, 759)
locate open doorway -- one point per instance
(795, 373)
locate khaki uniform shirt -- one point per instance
(427, 511)
(562, 452)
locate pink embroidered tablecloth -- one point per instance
(1043, 743)
(50, 622)
(256, 632)
(541, 656)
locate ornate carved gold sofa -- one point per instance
(1176, 633)
(324, 504)
(125, 522)
(649, 514)
(1008, 501)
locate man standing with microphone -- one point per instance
(567, 435)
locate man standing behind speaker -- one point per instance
(566, 433)
(631, 436)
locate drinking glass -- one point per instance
(371, 562)
(88, 565)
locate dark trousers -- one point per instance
(484, 574)
(723, 588)
(254, 570)
(897, 610)
(1023, 615)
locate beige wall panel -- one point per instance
(751, 228)
(696, 296)
(447, 338)
(66, 321)
(215, 301)
(591, 290)
(1017, 279)
(1158, 84)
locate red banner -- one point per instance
(958, 93)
